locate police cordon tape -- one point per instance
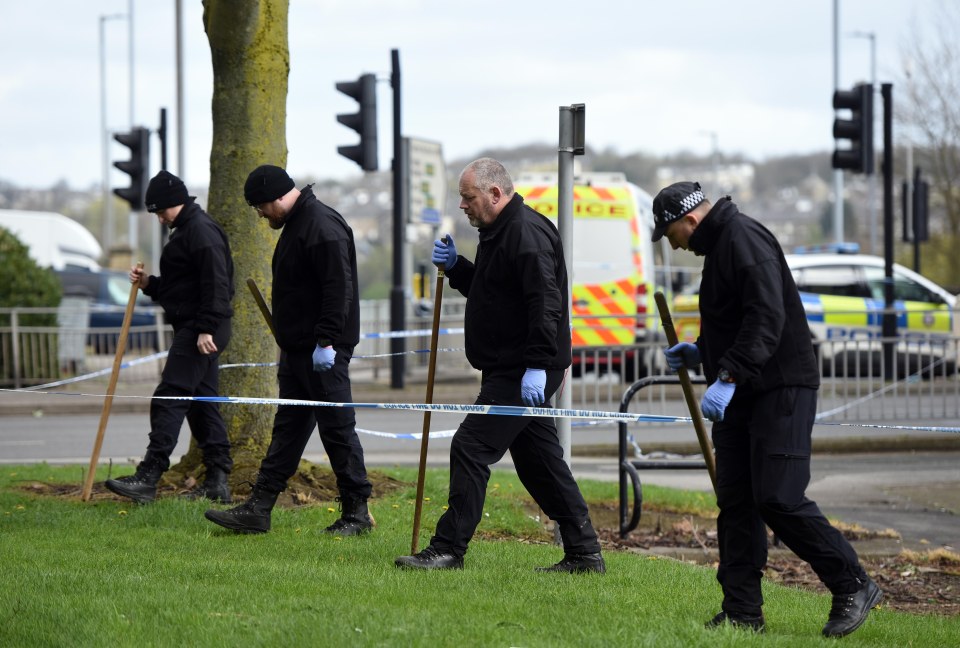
(400, 334)
(235, 365)
(416, 436)
(95, 374)
(495, 410)
(594, 416)
(597, 417)
(366, 336)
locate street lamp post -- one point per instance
(872, 179)
(180, 128)
(837, 173)
(108, 225)
(714, 163)
(130, 54)
(133, 233)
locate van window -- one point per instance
(839, 280)
(602, 251)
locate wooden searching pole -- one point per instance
(687, 386)
(424, 440)
(262, 305)
(111, 388)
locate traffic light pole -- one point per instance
(889, 327)
(397, 345)
(916, 198)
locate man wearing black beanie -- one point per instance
(195, 287)
(316, 319)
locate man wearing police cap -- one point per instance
(194, 287)
(316, 319)
(756, 351)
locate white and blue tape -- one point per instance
(582, 417)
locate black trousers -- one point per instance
(293, 424)
(188, 372)
(763, 469)
(482, 440)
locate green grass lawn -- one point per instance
(105, 573)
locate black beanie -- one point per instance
(166, 190)
(265, 184)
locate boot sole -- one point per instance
(587, 570)
(136, 497)
(230, 524)
(421, 567)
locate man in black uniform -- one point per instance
(755, 348)
(316, 317)
(518, 335)
(195, 287)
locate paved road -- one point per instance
(69, 438)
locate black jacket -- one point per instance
(195, 285)
(315, 294)
(516, 312)
(752, 322)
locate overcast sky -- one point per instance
(656, 77)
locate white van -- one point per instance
(53, 240)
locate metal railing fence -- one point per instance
(923, 384)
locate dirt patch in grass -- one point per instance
(916, 582)
(311, 485)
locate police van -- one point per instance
(612, 266)
(843, 296)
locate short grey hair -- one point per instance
(489, 173)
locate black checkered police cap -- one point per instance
(673, 203)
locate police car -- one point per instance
(843, 295)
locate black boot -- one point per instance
(253, 516)
(849, 611)
(141, 486)
(354, 517)
(430, 558)
(738, 621)
(214, 487)
(581, 535)
(577, 564)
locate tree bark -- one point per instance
(251, 65)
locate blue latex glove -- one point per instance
(531, 387)
(323, 358)
(716, 399)
(683, 355)
(444, 253)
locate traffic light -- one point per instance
(137, 167)
(858, 129)
(364, 90)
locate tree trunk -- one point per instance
(251, 63)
